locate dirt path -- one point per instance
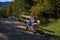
(15, 30)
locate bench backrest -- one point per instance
(26, 18)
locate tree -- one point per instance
(48, 7)
(18, 7)
(5, 11)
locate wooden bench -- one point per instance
(25, 18)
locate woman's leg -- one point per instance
(27, 26)
(35, 28)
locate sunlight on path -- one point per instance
(3, 37)
(17, 23)
(16, 31)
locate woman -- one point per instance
(31, 21)
(35, 24)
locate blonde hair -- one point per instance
(32, 13)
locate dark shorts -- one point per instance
(29, 23)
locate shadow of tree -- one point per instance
(14, 33)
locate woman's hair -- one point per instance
(32, 13)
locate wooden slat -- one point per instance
(25, 16)
(24, 20)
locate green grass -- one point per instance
(54, 27)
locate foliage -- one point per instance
(42, 8)
(41, 5)
(18, 7)
(5, 11)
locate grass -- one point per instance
(52, 28)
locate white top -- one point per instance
(32, 19)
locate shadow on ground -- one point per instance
(11, 32)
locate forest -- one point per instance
(44, 9)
